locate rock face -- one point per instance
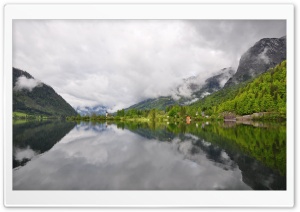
(265, 54)
(33, 97)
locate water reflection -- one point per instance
(35, 137)
(126, 156)
(259, 149)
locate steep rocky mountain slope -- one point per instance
(265, 54)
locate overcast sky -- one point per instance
(118, 63)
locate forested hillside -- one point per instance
(159, 103)
(38, 100)
(266, 93)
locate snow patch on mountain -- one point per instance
(87, 110)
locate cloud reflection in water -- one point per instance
(97, 157)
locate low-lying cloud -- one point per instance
(118, 63)
(26, 83)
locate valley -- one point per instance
(150, 105)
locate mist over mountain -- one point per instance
(265, 54)
(33, 97)
(191, 90)
(197, 87)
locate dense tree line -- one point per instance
(267, 93)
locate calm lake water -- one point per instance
(152, 156)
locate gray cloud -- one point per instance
(233, 37)
(120, 62)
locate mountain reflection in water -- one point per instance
(154, 156)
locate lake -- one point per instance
(52, 155)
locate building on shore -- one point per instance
(188, 119)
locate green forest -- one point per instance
(265, 93)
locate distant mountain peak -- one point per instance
(264, 54)
(90, 110)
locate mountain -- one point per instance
(37, 137)
(33, 97)
(159, 103)
(191, 90)
(86, 110)
(214, 83)
(264, 93)
(196, 87)
(265, 54)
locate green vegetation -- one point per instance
(19, 115)
(39, 136)
(269, 148)
(159, 103)
(265, 95)
(258, 142)
(42, 100)
(171, 114)
(25, 116)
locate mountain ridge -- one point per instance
(263, 55)
(90, 110)
(33, 97)
(189, 85)
(264, 93)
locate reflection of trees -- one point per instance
(93, 125)
(267, 145)
(256, 174)
(150, 130)
(259, 152)
(40, 136)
